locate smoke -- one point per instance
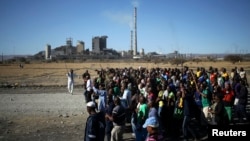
(120, 17)
(125, 18)
(135, 3)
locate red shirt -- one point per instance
(228, 96)
(212, 78)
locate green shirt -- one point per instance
(142, 114)
(204, 100)
(116, 91)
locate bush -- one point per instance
(233, 58)
(178, 61)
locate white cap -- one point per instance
(91, 104)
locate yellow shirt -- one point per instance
(224, 75)
(160, 95)
(198, 73)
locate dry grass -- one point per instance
(47, 74)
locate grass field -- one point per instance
(54, 74)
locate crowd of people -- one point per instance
(162, 102)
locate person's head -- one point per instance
(123, 86)
(210, 68)
(111, 91)
(218, 97)
(71, 70)
(224, 70)
(151, 124)
(91, 107)
(241, 69)
(148, 88)
(142, 99)
(150, 103)
(198, 69)
(159, 87)
(204, 85)
(227, 86)
(178, 94)
(117, 101)
(142, 85)
(102, 86)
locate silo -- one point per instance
(142, 52)
(48, 51)
(80, 47)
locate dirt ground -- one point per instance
(50, 115)
(28, 115)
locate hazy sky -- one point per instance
(163, 26)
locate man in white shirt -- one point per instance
(70, 76)
(89, 89)
(126, 94)
(126, 100)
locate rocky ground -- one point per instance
(43, 114)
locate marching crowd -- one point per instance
(162, 102)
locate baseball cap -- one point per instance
(152, 122)
(91, 104)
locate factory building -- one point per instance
(80, 47)
(99, 44)
(68, 49)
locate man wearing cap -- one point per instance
(152, 125)
(95, 124)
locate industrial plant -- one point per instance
(99, 48)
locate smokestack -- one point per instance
(131, 42)
(135, 46)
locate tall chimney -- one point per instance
(131, 43)
(135, 46)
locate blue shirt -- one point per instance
(152, 112)
(92, 129)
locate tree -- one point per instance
(177, 61)
(233, 58)
(197, 60)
